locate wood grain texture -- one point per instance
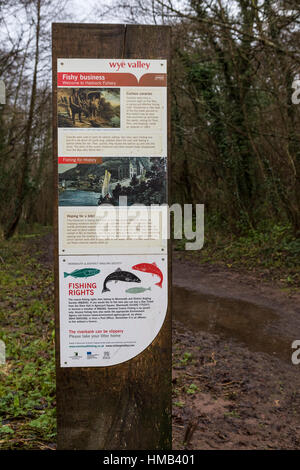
(127, 406)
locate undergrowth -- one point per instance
(271, 250)
(27, 379)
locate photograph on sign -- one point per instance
(88, 107)
(111, 307)
(141, 179)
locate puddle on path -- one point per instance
(231, 318)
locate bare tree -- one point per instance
(26, 119)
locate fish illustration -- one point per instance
(85, 272)
(150, 268)
(137, 290)
(119, 275)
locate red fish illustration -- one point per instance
(150, 268)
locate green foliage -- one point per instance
(232, 414)
(271, 249)
(179, 404)
(192, 389)
(186, 358)
(27, 380)
(5, 431)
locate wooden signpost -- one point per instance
(111, 136)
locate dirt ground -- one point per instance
(234, 385)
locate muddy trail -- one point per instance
(234, 386)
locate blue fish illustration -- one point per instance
(85, 272)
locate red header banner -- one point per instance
(77, 160)
(77, 79)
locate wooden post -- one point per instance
(126, 406)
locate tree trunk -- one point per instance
(23, 188)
